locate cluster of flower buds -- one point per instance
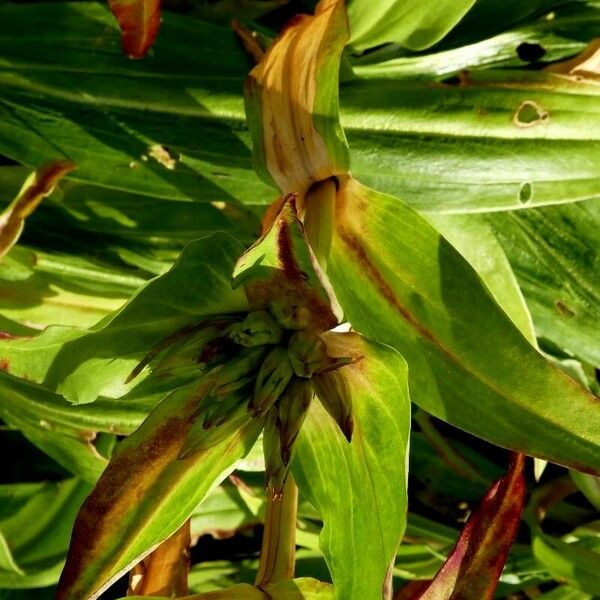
(256, 369)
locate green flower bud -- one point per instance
(257, 329)
(275, 469)
(219, 420)
(333, 393)
(292, 407)
(308, 355)
(236, 372)
(273, 377)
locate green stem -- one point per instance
(278, 552)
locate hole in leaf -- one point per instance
(530, 52)
(530, 114)
(525, 192)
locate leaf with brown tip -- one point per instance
(281, 272)
(146, 493)
(139, 21)
(36, 187)
(402, 283)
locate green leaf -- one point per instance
(441, 147)
(555, 252)
(75, 436)
(468, 47)
(359, 487)
(475, 240)
(402, 284)
(43, 288)
(85, 364)
(463, 147)
(303, 588)
(415, 24)
(147, 492)
(577, 566)
(35, 525)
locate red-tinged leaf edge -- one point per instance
(139, 21)
(473, 568)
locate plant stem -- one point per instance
(278, 552)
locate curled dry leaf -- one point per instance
(292, 102)
(37, 186)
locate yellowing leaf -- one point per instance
(37, 186)
(292, 102)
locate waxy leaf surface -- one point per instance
(440, 147)
(35, 525)
(555, 253)
(146, 493)
(359, 487)
(416, 24)
(84, 364)
(403, 284)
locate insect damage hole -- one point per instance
(525, 192)
(530, 114)
(166, 156)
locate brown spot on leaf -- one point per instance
(563, 309)
(4, 364)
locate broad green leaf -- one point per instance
(532, 42)
(42, 288)
(576, 565)
(292, 102)
(84, 364)
(77, 437)
(37, 186)
(449, 148)
(478, 146)
(359, 487)
(589, 485)
(221, 512)
(120, 132)
(555, 253)
(488, 17)
(147, 492)
(35, 524)
(401, 283)
(414, 24)
(475, 240)
(474, 566)
(565, 592)
(139, 21)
